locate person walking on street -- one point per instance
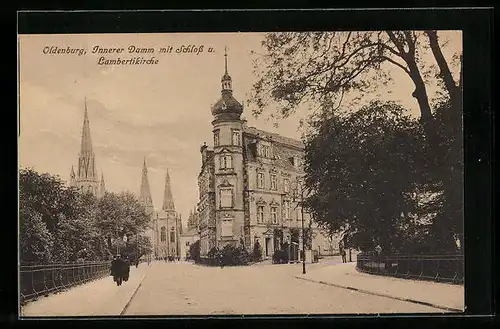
(126, 269)
(116, 270)
(342, 252)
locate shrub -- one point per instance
(280, 257)
(194, 251)
(257, 252)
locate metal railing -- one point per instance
(439, 268)
(45, 279)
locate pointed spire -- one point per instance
(86, 146)
(102, 186)
(168, 200)
(226, 78)
(86, 159)
(145, 194)
(72, 177)
(225, 58)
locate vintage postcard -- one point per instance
(240, 173)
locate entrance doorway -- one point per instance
(268, 246)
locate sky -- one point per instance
(160, 112)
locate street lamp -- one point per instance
(301, 202)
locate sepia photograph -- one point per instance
(245, 173)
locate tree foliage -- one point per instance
(59, 224)
(376, 175)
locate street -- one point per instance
(183, 288)
(187, 289)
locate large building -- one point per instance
(249, 185)
(86, 179)
(166, 224)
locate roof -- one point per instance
(227, 104)
(274, 137)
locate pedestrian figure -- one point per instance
(116, 270)
(126, 269)
(342, 252)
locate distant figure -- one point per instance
(126, 269)
(116, 270)
(342, 252)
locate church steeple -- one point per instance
(168, 200)
(86, 163)
(145, 194)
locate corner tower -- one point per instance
(228, 156)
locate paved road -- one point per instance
(187, 289)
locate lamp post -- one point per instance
(299, 186)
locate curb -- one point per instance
(133, 295)
(446, 308)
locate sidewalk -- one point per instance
(96, 298)
(444, 296)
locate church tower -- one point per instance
(145, 192)
(86, 177)
(169, 223)
(228, 156)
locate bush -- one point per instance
(194, 251)
(233, 256)
(257, 252)
(280, 257)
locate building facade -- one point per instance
(165, 224)
(86, 179)
(250, 186)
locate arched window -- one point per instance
(172, 235)
(163, 236)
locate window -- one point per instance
(172, 235)
(226, 197)
(299, 213)
(274, 185)
(260, 180)
(163, 236)
(274, 215)
(225, 161)
(286, 185)
(227, 227)
(260, 214)
(216, 138)
(236, 138)
(286, 209)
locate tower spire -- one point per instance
(225, 58)
(145, 194)
(226, 78)
(168, 200)
(86, 161)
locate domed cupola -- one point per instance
(227, 107)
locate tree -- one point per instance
(121, 214)
(194, 251)
(35, 240)
(321, 68)
(362, 168)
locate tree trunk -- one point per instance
(445, 73)
(420, 92)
